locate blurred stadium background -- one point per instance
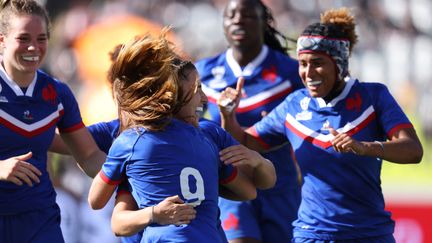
(395, 48)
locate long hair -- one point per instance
(272, 37)
(145, 85)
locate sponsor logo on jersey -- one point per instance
(27, 115)
(305, 114)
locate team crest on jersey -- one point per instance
(270, 74)
(49, 94)
(305, 114)
(354, 103)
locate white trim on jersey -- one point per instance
(29, 129)
(14, 86)
(249, 69)
(250, 102)
(324, 140)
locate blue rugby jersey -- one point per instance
(28, 120)
(181, 160)
(269, 78)
(341, 195)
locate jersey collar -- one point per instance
(14, 86)
(349, 83)
(248, 70)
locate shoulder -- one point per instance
(209, 62)
(374, 89)
(282, 57)
(49, 81)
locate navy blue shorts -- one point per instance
(38, 226)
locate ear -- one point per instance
(2, 37)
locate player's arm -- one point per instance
(84, 149)
(257, 168)
(100, 192)
(127, 220)
(403, 147)
(58, 146)
(228, 103)
(239, 188)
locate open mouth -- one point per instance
(314, 83)
(199, 111)
(31, 58)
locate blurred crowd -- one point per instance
(395, 48)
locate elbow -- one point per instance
(416, 154)
(120, 231)
(95, 204)
(251, 195)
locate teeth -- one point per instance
(199, 111)
(314, 82)
(32, 58)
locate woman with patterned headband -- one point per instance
(340, 130)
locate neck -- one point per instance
(22, 79)
(337, 89)
(244, 56)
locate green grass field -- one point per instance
(410, 183)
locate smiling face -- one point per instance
(243, 24)
(24, 47)
(192, 92)
(318, 73)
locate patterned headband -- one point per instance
(338, 49)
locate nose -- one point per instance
(309, 71)
(32, 46)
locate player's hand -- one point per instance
(230, 98)
(238, 155)
(172, 210)
(343, 143)
(18, 171)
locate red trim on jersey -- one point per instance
(107, 180)
(72, 128)
(229, 178)
(252, 131)
(399, 127)
(327, 144)
(264, 102)
(25, 133)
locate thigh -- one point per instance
(277, 211)
(239, 219)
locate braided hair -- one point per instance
(272, 37)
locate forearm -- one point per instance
(231, 125)
(100, 193)
(92, 164)
(400, 151)
(264, 175)
(129, 222)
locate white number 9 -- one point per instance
(192, 198)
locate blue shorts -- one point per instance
(267, 218)
(37, 226)
(377, 239)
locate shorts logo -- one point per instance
(231, 222)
